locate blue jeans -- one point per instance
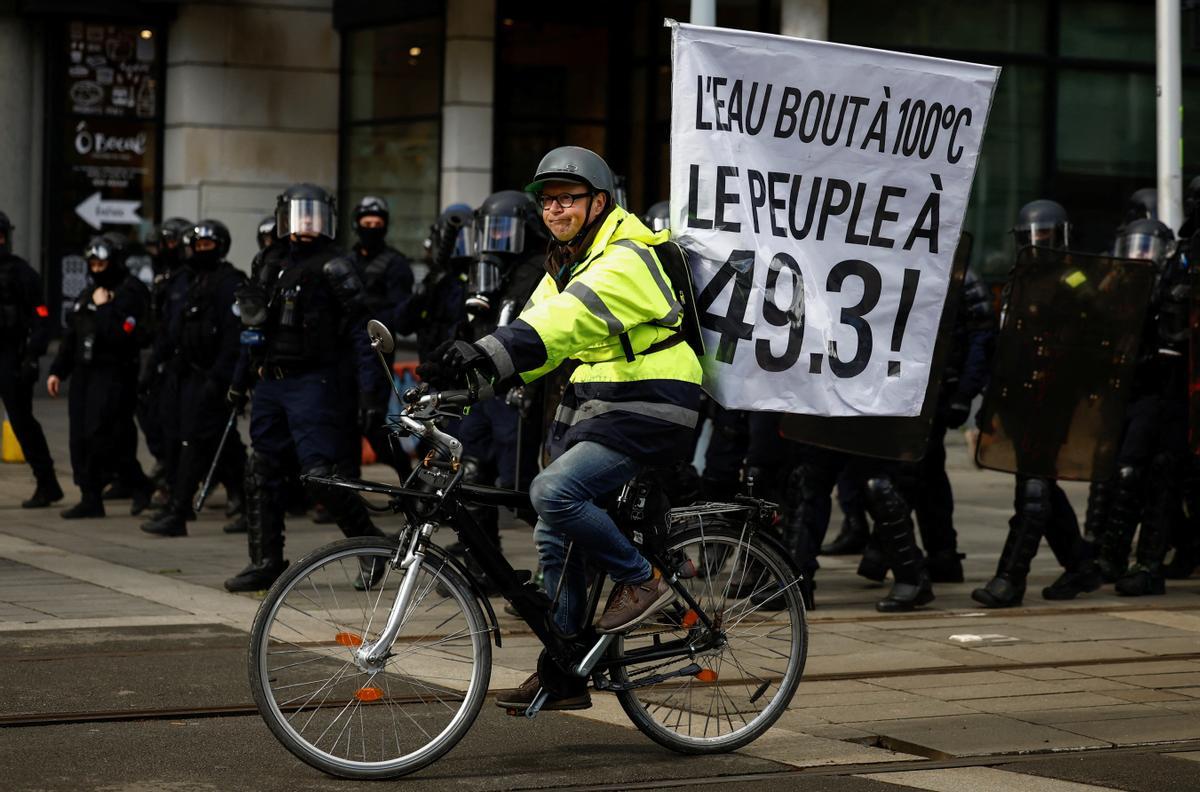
(563, 496)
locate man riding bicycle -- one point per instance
(607, 306)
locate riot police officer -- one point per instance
(510, 241)
(387, 280)
(1153, 451)
(158, 403)
(307, 314)
(264, 235)
(271, 251)
(968, 364)
(438, 303)
(1041, 508)
(99, 350)
(205, 343)
(24, 334)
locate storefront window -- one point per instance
(552, 86)
(391, 129)
(984, 25)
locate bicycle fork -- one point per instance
(372, 656)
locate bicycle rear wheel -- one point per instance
(744, 684)
(368, 722)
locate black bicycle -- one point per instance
(371, 657)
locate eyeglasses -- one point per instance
(565, 200)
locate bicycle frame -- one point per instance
(444, 500)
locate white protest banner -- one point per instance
(822, 187)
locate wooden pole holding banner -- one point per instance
(1169, 108)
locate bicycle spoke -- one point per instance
(342, 718)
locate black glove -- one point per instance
(450, 363)
(237, 398)
(461, 355)
(957, 412)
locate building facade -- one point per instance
(121, 114)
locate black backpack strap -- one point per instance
(626, 347)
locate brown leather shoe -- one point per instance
(520, 698)
(633, 602)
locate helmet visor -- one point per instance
(464, 244)
(1048, 235)
(1140, 246)
(501, 235)
(98, 251)
(305, 217)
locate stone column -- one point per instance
(251, 107)
(21, 140)
(468, 97)
(805, 19)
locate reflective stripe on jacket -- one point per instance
(647, 407)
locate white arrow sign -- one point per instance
(96, 212)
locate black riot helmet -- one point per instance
(6, 228)
(372, 205)
(170, 233)
(371, 237)
(201, 256)
(1145, 239)
(266, 232)
(455, 216)
(505, 221)
(1042, 223)
(305, 211)
(1143, 204)
(105, 256)
(658, 216)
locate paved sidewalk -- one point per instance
(948, 682)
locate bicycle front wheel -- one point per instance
(727, 696)
(358, 721)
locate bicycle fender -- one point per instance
(458, 567)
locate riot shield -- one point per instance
(1064, 364)
(886, 437)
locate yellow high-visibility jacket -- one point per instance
(637, 386)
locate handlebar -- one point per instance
(421, 411)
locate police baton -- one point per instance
(202, 495)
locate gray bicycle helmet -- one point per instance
(573, 164)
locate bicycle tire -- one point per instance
(645, 706)
(418, 693)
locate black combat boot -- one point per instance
(1124, 512)
(1147, 577)
(171, 522)
(852, 539)
(874, 562)
(897, 541)
(1083, 579)
(90, 506)
(264, 538)
(1007, 588)
(47, 492)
